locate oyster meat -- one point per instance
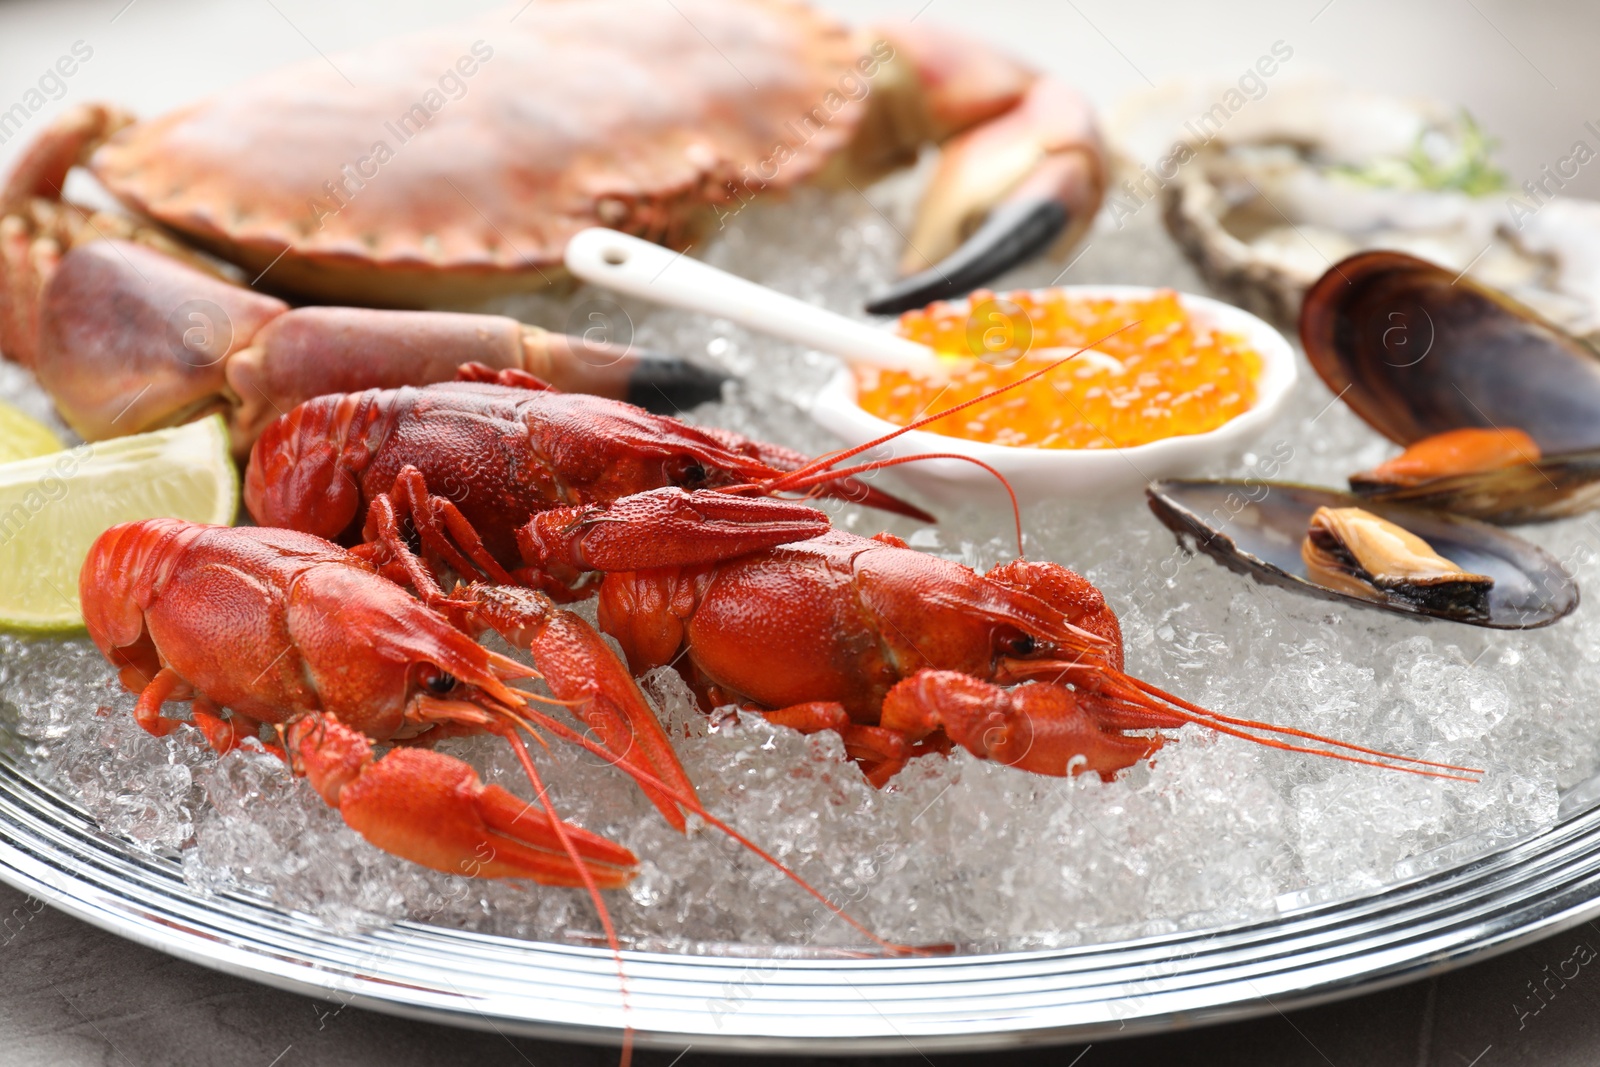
(1315, 171)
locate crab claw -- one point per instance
(37, 227)
(131, 339)
(70, 140)
(1005, 190)
(1042, 728)
(665, 528)
(432, 809)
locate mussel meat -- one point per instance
(1356, 552)
(1261, 529)
(1418, 351)
(1466, 451)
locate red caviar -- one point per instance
(1176, 375)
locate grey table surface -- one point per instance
(71, 994)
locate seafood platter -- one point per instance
(769, 565)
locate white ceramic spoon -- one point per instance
(638, 268)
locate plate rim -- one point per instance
(1531, 888)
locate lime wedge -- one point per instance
(22, 436)
(53, 507)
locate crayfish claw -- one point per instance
(432, 809)
(666, 528)
(1042, 728)
(881, 751)
(584, 673)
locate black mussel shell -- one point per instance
(1415, 350)
(1256, 528)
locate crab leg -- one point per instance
(67, 143)
(1023, 168)
(118, 320)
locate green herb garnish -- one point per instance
(1463, 166)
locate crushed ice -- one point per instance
(1215, 831)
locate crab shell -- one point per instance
(455, 164)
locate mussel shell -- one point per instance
(1255, 528)
(1415, 350)
(1555, 487)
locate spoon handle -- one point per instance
(625, 264)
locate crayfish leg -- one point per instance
(440, 526)
(167, 685)
(881, 752)
(584, 672)
(224, 735)
(205, 715)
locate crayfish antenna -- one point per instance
(895, 461)
(819, 471)
(1143, 692)
(528, 718)
(1206, 717)
(521, 751)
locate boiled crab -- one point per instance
(652, 119)
(454, 165)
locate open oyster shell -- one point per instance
(1312, 172)
(1258, 528)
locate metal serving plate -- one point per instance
(54, 851)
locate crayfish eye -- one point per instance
(439, 683)
(687, 472)
(1023, 645)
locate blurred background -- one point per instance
(1526, 70)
